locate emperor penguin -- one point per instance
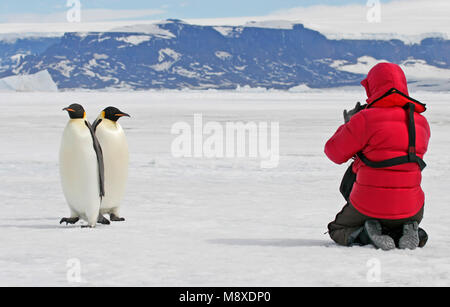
(116, 156)
(81, 168)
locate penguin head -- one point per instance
(113, 114)
(75, 111)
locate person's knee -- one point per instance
(339, 237)
(348, 236)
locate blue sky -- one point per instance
(182, 9)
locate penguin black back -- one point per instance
(100, 160)
(75, 111)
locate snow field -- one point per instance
(200, 222)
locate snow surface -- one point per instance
(38, 82)
(223, 55)
(198, 222)
(225, 31)
(152, 29)
(8, 34)
(419, 73)
(271, 24)
(414, 69)
(135, 39)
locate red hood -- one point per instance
(386, 86)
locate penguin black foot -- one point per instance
(71, 221)
(103, 220)
(87, 226)
(115, 218)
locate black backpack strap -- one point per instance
(411, 157)
(412, 152)
(411, 132)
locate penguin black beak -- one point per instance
(123, 115)
(68, 110)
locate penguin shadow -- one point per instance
(272, 242)
(53, 224)
(23, 219)
(40, 227)
(56, 226)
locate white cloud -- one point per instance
(109, 15)
(87, 15)
(400, 18)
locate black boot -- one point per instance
(359, 238)
(374, 232)
(410, 238)
(396, 234)
(423, 238)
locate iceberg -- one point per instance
(38, 82)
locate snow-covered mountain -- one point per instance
(13, 48)
(38, 82)
(175, 55)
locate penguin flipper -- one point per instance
(71, 220)
(96, 123)
(99, 153)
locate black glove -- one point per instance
(349, 114)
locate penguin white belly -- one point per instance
(79, 172)
(115, 154)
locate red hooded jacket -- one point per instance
(381, 133)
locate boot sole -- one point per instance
(409, 243)
(385, 243)
(411, 239)
(380, 241)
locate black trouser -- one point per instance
(348, 223)
(347, 226)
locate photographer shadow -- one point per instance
(273, 242)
